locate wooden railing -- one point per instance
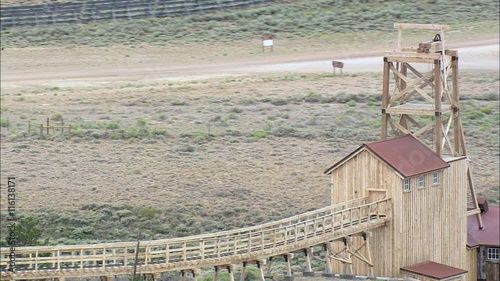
(228, 247)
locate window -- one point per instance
(494, 254)
(435, 178)
(406, 185)
(421, 182)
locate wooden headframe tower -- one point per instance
(424, 101)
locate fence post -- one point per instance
(29, 127)
(48, 125)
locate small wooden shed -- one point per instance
(483, 245)
(431, 271)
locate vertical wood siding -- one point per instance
(428, 223)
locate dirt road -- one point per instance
(84, 69)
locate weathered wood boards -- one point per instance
(429, 222)
(337, 64)
(429, 47)
(211, 250)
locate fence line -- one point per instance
(48, 127)
(108, 10)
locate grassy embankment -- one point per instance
(319, 21)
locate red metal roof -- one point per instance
(407, 155)
(434, 270)
(490, 234)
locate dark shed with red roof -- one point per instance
(486, 242)
(434, 271)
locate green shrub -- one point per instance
(344, 97)
(112, 126)
(351, 103)
(236, 110)
(187, 148)
(148, 212)
(4, 123)
(486, 110)
(313, 97)
(160, 132)
(247, 101)
(260, 134)
(116, 135)
(178, 103)
(489, 97)
(142, 123)
(57, 116)
(285, 132)
(28, 232)
(474, 115)
(132, 133)
(279, 102)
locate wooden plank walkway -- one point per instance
(201, 251)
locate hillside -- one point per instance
(317, 20)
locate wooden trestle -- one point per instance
(221, 251)
(416, 96)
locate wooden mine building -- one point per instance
(421, 164)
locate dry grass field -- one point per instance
(199, 151)
(181, 125)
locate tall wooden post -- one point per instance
(288, 260)
(328, 266)
(404, 71)
(385, 99)
(367, 236)
(136, 256)
(243, 271)
(269, 265)
(308, 272)
(230, 270)
(402, 85)
(474, 198)
(438, 123)
(456, 108)
(348, 266)
(261, 271)
(216, 277)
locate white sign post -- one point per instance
(267, 41)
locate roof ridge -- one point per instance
(389, 139)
